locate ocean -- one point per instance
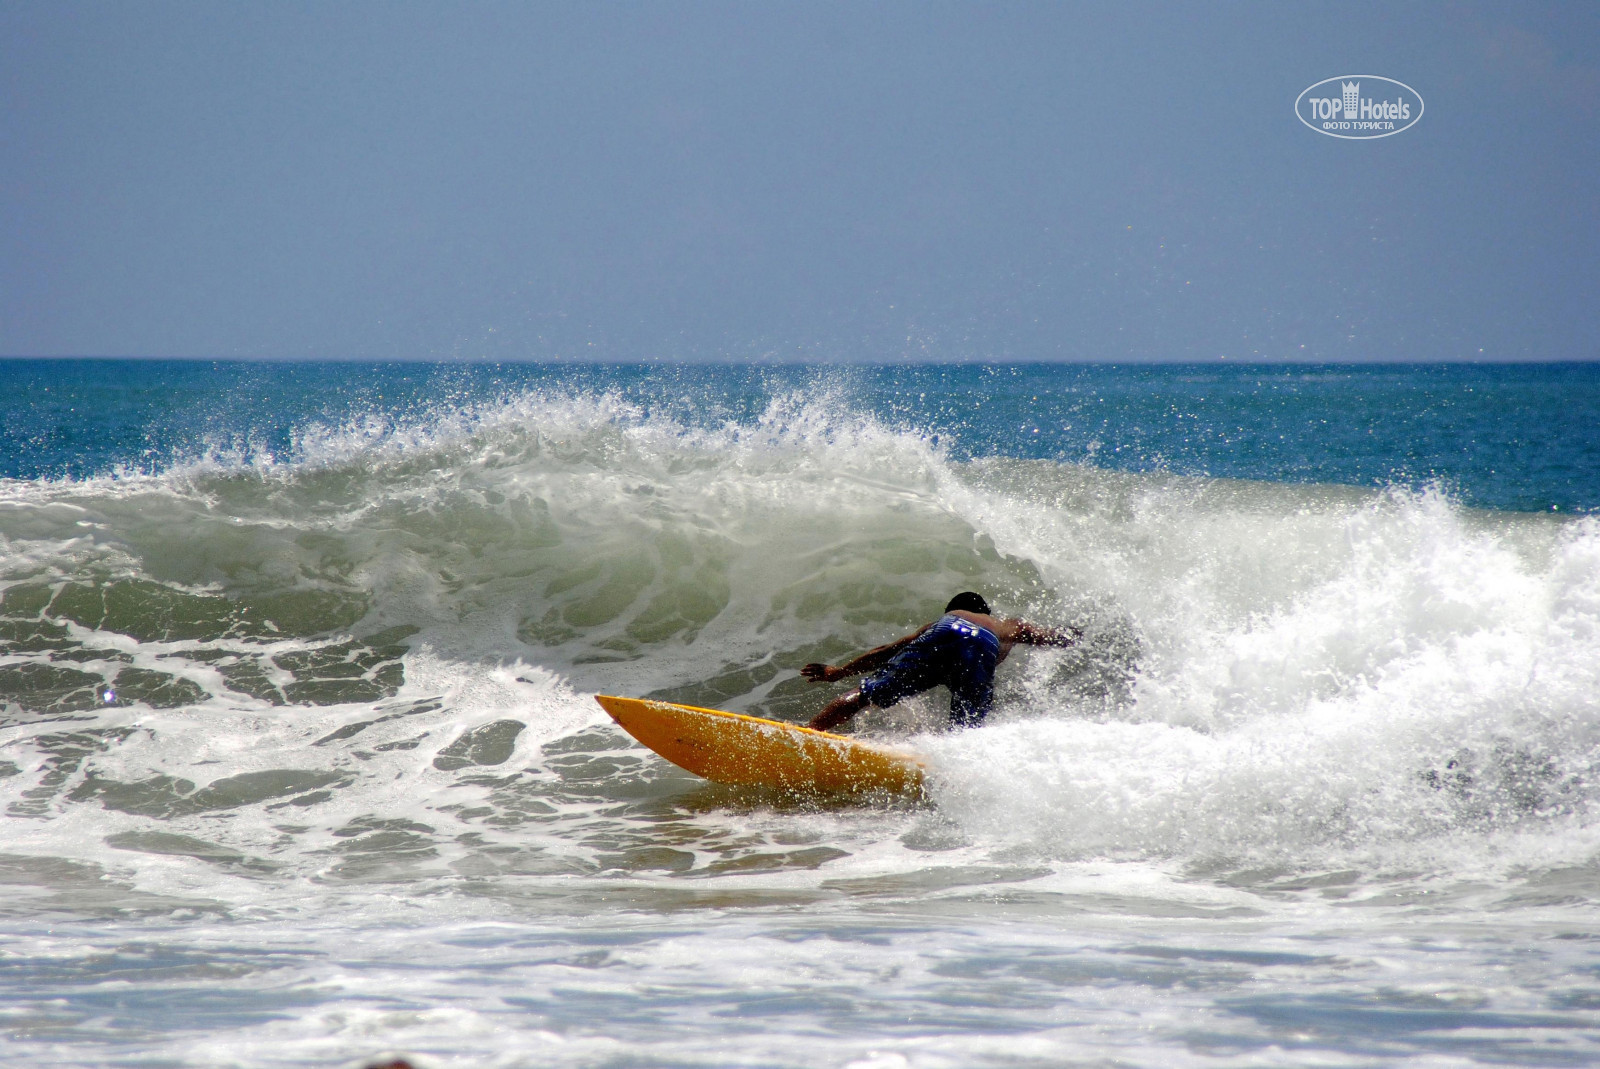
(300, 766)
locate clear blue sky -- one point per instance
(861, 181)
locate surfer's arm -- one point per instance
(870, 661)
(838, 711)
(1037, 635)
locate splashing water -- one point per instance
(299, 762)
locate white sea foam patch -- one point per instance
(209, 799)
(1440, 683)
(1421, 598)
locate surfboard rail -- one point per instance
(747, 750)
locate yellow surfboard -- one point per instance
(750, 751)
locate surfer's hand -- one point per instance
(822, 673)
(1037, 635)
(1070, 636)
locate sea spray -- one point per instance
(1321, 745)
(1433, 679)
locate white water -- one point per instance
(1319, 787)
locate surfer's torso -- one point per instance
(1004, 630)
(959, 651)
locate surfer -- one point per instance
(959, 650)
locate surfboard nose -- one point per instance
(751, 751)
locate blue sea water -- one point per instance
(299, 763)
(1516, 436)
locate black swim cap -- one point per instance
(967, 601)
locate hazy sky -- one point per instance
(863, 181)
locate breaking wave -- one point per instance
(369, 656)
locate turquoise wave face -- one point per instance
(578, 533)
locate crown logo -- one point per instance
(1352, 98)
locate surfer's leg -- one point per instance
(900, 678)
(839, 710)
(918, 667)
(971, 680)
(967, 709)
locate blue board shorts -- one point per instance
(954, 653)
